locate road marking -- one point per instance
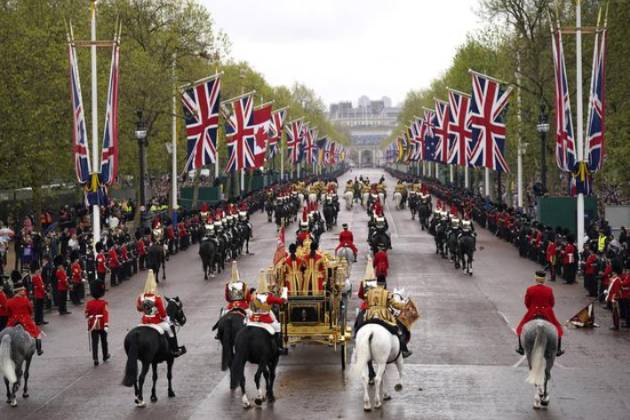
(506, 321)
(517, 364)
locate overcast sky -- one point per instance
(347, 48)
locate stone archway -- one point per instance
(366, 157)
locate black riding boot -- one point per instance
(282, 351)
(175, 349)
(520, 349)
(38, 346)
(403, 345)
(560, 352)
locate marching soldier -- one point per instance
(62, 286)
(151, 304)
(97, 316)
(261, 303)
(539, 301)
(39, 294)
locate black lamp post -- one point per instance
(141, 136)
(543, 128)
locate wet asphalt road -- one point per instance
(464, 365)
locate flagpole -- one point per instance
(451, 173)
(519, 152)
(579, 116)
(96, 211)
(487, 182)
(174, 143)
(466, 180)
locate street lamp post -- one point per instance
(141, 135)
(543, 128)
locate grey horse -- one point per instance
(540, 339)
(16, 348)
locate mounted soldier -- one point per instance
(261, 311)
(346, 240)
(19, 310)
(151, 304)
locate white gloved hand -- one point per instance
(106, 329)
(285, 293)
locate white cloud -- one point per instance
(346, 48)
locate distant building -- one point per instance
(369, 123)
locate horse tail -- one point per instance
(362, 353)
(227, 344)
(537, 371)
(238, 364)
(131, 368)
(7, 365)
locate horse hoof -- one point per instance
(271, 399)
(153, 398)
(367, 408)
(13, 403)
(258, 401)
(140, 403)
(26, 395)
(247, 406)
(398, 387)
(378, 405)
(171, 394)
(387, 397)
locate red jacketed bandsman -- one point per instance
(540, 301)
(346, 239)
(101, 263)
(62, 289)
(20, 312)
(114, 266)
(39, 295)
(381, 264)
(97, 316)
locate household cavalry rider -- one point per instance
(151, 304)
(539, 301)
(261, 313)
(378, 307)
(346, 239)
(237, 296)
(467, 227)
(303, 233)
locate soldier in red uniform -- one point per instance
(346, 239)
(20, 311)
(39, 294)
(552, 259)
(101, 263)
(261, 313)
(114, 266)
(151, 304)
(142, 253)
(170, 236)
(569, 260)
(76, 278)
(540, 301)
(125, 264)
(62, 286)
(97, 316)
(381, 265)
(236, 292)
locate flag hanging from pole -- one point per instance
(200, 103)
(429, 139)
(565, 141)
(80, 152)
(109, 154)
(321, 150)
(417, 139)
(459, 129)
(294, 140)
(262, 122)
(597, 105)
(440, 131)
(488, 106)
(240, 135)
(275, 131)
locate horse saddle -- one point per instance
(264, 326)
(156, 327)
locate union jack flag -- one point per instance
(429, 138)
(294, 141)
(487, 109)
(440, 131)
(82, 166)
(201, 115)
(417, 138)
(597, 105)
(275, 131)
(565, 140)
(262, 121)
(330, 152)
(459, 129)
(109, 154)
(310, 134)
(240, 134)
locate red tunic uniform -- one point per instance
(551, 252)
(568, 254)
(346, 239)
(20, 311)
(75, 268)
(159, 313)
(39, 291)
(170, 232)
(124, 254)
(235, 304)
(113, 259)
(97, 314)
(303, 235)
(265, 317)
(140, 248)
(181, 227)
(590, 266)
(62, 279)
(381, 263)
(539, 301)
(100, 263)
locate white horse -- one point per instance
(540, 341)
(312, 198)
(374, 343)
(348, 196)
(346, 252)
(397, 199)
(364, 199)
(301, 199)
